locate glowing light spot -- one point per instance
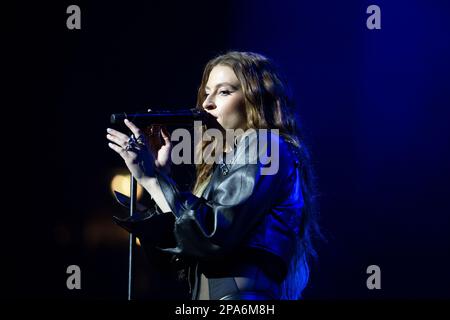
(121, 183)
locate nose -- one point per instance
(208, 104)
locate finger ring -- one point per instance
(139, 140)
(132, 147)
(134, 144)
(128, 147)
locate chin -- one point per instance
(224, 125)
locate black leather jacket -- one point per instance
(242, 215)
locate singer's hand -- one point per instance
(160, 147)
(139, 160)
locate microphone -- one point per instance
(162, 117)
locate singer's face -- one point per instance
(224, 98)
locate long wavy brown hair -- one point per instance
(268, 105)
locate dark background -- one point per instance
(374, 106)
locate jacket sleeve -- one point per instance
(151, 226)
(154, 230)
(168, 271)
(239, 199)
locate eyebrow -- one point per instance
(224, 83)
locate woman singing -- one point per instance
(245, 230)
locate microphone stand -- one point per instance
(132, 237)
